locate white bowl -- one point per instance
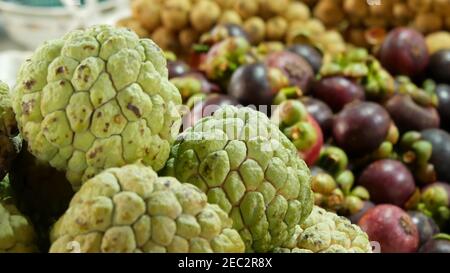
(31, 26)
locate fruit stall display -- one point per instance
(233, 126)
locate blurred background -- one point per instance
(178, 24)
(25, 24)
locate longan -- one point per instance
(147, 12)
(204, 15)
(276, 28)
(175, 14)
(256, 29)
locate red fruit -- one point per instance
(392, 228)
(404, 52)
(388, 181)
(312, 154)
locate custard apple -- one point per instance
(131, 209)
(17, 234)
(246, 165)
(9, 144)
(95, 99)
(327, 232)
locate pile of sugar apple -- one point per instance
(97, 118)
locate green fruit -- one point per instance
(17, 234)
(246, 165)
(329, 233)
(9, 144)
(131, 209)
(95, 99)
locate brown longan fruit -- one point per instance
(357, 37)
(297, 11)
(375, 21)
(358, 8)
(147, 12)
(175, 14)
(441, 7)
(270, 8)
(276, 28)
(246, 8)
(428, 22)
(165, 39)
(315, 26)
(188, 37)
(204, 15)
(419, 5)
(329, 12)
(230, 17)
(256, 29)
(225, 4)
(401, 11)
(384, 9)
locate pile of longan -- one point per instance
(358, 18)
(176, 25)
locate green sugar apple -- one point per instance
(95, 99)
(327, 232)
(131, 209)
(247, 166)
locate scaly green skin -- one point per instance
(9, 145)
(97, 98)
(131, 209)
(327, 232)
(245, 164)
(17, 234)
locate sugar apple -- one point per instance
(246, 165)
(17, 234)
(130, 209)
(9, 144)
(97, 98)
(329, 233)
